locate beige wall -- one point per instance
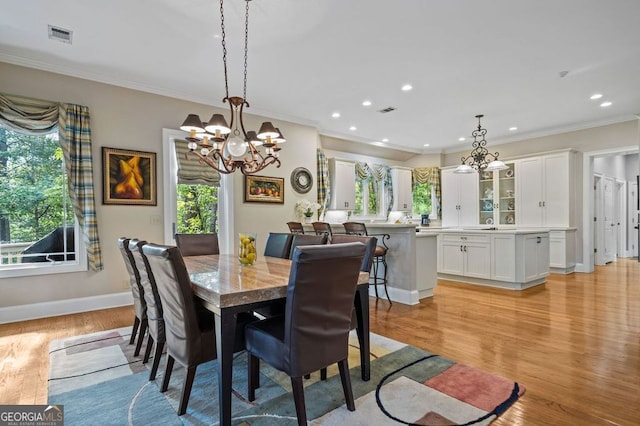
(130, 119)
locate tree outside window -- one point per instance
(197, 209)
(34, 201)
(421, 199)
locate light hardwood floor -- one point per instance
(574, 343)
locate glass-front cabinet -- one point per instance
(497, 197)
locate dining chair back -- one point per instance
(140, 321)
(314, 332)
(157, 336)
(278, 245)
(295, 227)
(190, 328)
(369, 242)
(307, 240)
(197, 244)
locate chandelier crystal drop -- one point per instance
(480, 158)
(229, 147)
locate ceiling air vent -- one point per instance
(386, 110)
(60, 34)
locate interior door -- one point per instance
(632, 219)
(609, 220)
(598, 228)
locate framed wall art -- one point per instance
(262, 189)
(128, 177)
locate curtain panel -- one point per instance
(39, 117)
(323, 182)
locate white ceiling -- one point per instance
(309, 58)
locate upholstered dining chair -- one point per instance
(278, 245)
(379, 256)
(140, 321)
(157, 336)
(314, 331)
(322, 228)
(307, 240)
(190, 329)
(197, 244)
(295, 227)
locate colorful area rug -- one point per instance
(100, 382)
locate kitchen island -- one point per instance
(411, 260)
(514, 259)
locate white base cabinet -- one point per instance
(512, 259)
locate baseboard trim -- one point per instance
(64, 307)
(406, 297)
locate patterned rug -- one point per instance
(100, 382)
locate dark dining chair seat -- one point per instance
(314, 331)
(140, 321)
(197, 244)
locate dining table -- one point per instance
(227, 288)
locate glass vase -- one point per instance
(247, 254)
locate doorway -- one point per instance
(592, 239)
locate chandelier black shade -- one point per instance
(228, 146)
(480, 158)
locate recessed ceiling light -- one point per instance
(353, 128)
(407, 87)
(377, 143)
(596, 96)
(426, 144)
(462, 139)
(513, 128)
(335, 115)
(385, 139)
(366, 103)
(605, 104)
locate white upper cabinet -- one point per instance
(343, 184)
(402, 190)
(546, 196)
(459, 198)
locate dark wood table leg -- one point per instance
(225, 336)
(362, 317)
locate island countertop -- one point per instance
(511, 231)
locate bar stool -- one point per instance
(322, 228)
(379, 256)
(295, 227)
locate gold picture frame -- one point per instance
(128, 177)
(263, 189)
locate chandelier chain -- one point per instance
(224, 48)
(246, 47)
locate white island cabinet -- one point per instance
(511, 258)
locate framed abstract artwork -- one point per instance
(128, 177)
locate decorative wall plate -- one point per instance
(509, 173)
(489, 221)
(301, 180)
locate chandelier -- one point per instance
(480, 158)
(225, 147)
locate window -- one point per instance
(369, 198)
(422, 203)
(38, 233)
(197, 209)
